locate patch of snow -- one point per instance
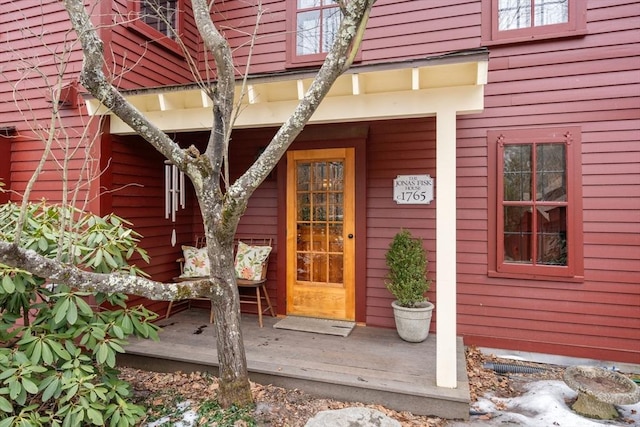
(543, 404)
(189, 417)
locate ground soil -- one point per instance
(278, 407)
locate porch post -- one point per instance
(446, 375)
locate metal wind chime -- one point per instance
(174, 194)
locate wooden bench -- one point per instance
(260, 285)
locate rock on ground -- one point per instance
(352, 417)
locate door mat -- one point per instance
(319, 326)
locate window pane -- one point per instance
(330, 24)
(517, 234)
(335, 268)
(304, 4)
(552, 235)
(514, 14)
(548, 12)
(551, 177)
(517, 172)
(308, 33)
(160, 14)
(304, 267)
(304, 176)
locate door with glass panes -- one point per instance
(320, 233)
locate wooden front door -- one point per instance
(320, 233)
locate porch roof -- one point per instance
(412, 88)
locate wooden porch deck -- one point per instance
(372, 365)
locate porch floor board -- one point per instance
(371, 365)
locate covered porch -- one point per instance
(371, 365)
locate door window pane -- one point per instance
(320, 207)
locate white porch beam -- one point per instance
(415, 78)
(366, 106)
(446, 328)
(206, 101)
(355, 84)
(300, 88)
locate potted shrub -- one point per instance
(407, 281)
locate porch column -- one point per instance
(446, 375)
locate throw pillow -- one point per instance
(249, 260)
(196, 262)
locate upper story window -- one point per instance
(312, 26)
(159, 20)
(525, 20)
(538, 198)
(161, 15)
(515, 14)
(317, 23)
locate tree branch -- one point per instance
(338, 60)
(93, 79)
(38, 265)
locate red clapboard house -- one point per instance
(524, 115)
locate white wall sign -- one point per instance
(413, 189)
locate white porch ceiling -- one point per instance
(416, 88)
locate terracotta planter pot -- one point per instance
(413, 324)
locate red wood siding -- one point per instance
(397, 30)
(138, 61)
(592, 82)
(396, 148)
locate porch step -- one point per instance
(372, 365)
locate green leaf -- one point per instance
(7, 422)
(43, 244)
(127, 325)
(51, 389)
(98, 258)
(7, 373)
(7, 284)
(83, 306)
(59, 350)
(102, 353)
(5, 405)
(47, 354)
(117, 331)
(29, 386)
(36, 353)
(72, 314)
(110, 261)
(60, 310)
(95, 417)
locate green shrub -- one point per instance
(57, 364)
(407, 262)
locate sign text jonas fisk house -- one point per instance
(413, 189)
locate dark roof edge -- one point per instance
(456, 57)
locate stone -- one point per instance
(352, 417)
(599, 390)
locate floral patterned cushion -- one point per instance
(196, 262)
(249, 260)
